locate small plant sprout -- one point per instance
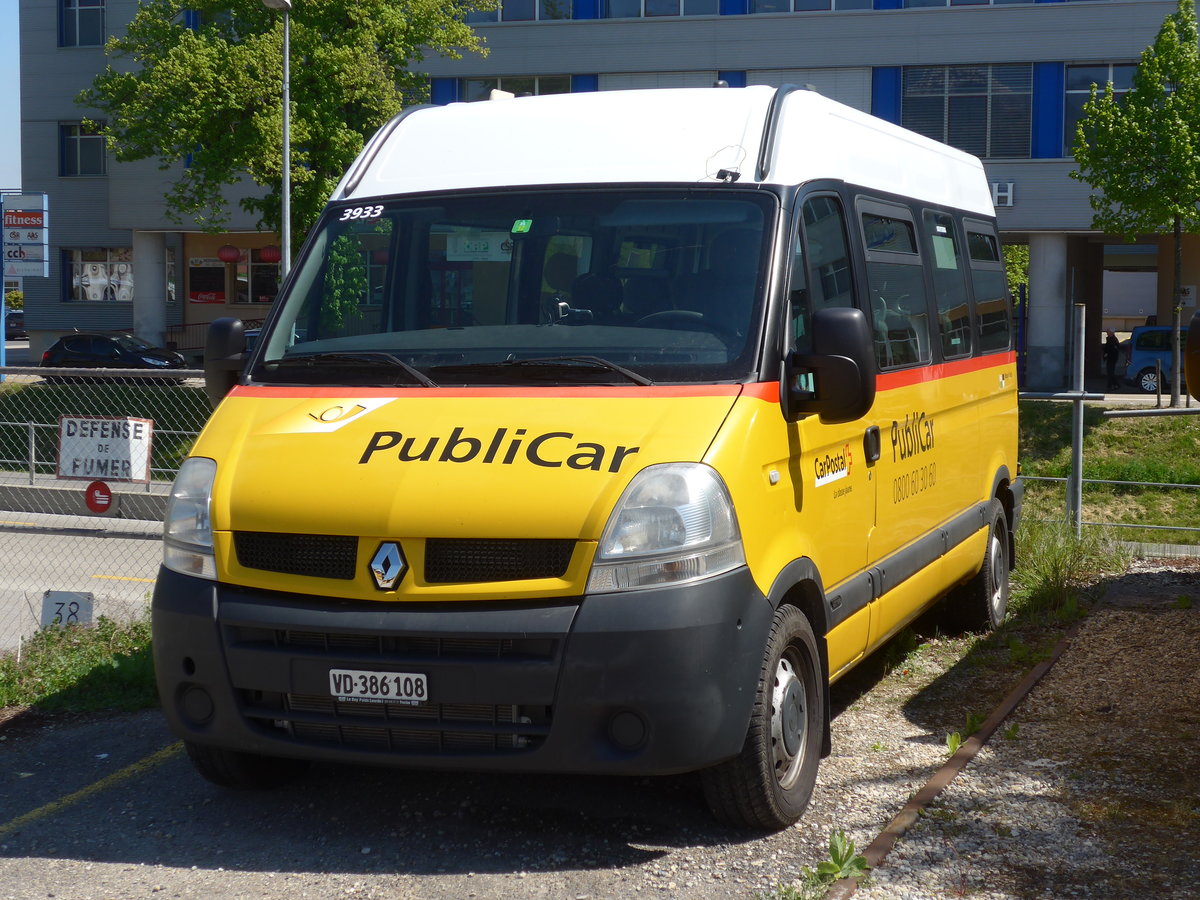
(844, 862)
(974, 720)
(1183, 601)
(953, 742)
(1010, 733)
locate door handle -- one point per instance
(871, 444)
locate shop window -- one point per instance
(99, 274)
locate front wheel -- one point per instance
(981, 603)
(1147, 381)
(768, 785)
(243, 771)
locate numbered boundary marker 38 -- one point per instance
(66, 608)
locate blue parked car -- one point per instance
(1147, 344)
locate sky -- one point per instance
(10, 96)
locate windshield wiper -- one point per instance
(558, 363)
(361, 357)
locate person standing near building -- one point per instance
(1112, 352)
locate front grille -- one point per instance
(311, 555)
(391, 727)
(460, 560)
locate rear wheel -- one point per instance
(981, 603)
(768, 785)
(1147, 381)
(243, 771)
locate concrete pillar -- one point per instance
(150, 286)
(1046, 334)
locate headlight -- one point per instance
(187, 530)
(674, 523)
(151, 361)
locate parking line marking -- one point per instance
(24, 524)
(124, 578)
(137, 768)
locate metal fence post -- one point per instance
(1075, 483)
(32, 451)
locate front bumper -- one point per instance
(640, 683)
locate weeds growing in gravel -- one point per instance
(843, 862)
(1053, 565)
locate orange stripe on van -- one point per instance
(888, 381)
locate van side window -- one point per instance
(949, 286)
(992, 313)
(826, 280)
(896, 281)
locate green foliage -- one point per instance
(1054, 565)
(1183, 601)
(1016, 266)
(212, 94)
(843, 862)
(14, 299)
(974, 721)
(1141, 154)
(1011, 732)
(953, 742)
(80, 669)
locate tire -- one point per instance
(981, 603)
(244, 771)
(1147, 381)
(768, 785)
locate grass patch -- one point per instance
(81, 669)
(172, 408)
(1054, 566)
(1160, 450)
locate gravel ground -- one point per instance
(1094, 794)
(1098, 792)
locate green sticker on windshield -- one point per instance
(522, 226)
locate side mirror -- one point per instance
(1191, 356)
(841, 365)
(224, 356)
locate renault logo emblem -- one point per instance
(387, 566)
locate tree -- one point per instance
(200, 85)
(1141, 153)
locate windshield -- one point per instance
(584, 287)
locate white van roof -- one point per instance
(687, 136)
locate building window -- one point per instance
(777, 6)
(634, 9)
(522, 11)
(81, 23)
(99, 274)
(1079, 88)
(985, 110)
(481, 88)
(81, 150)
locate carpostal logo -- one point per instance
(504, 446)
(832, 467)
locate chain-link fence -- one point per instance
(86, 464)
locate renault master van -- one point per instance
(597, 433)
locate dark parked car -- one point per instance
(109, 351)
(14, 325)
